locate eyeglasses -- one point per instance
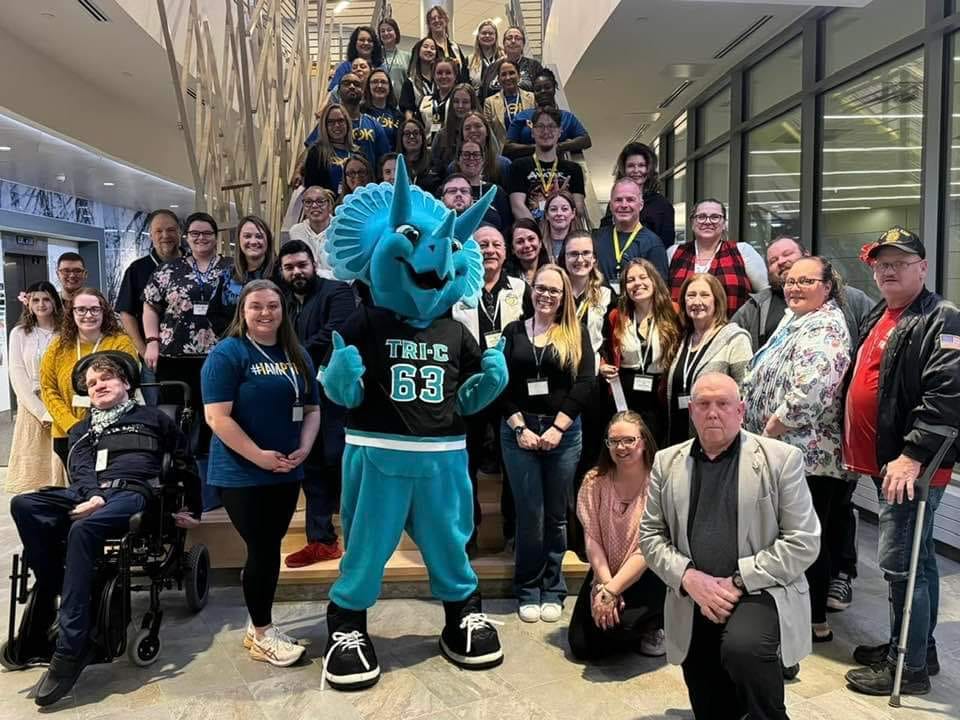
(456, 191)
(351, 83)
(802, 282)
(471, 155)
(545, 290)
(93, 311)
(411, 134)
(705, 219)
(336, 121)
(545, 128)
(355, 174)
(897, 266)
(72, 273)
(380, 81)
(197, 234)
(576, 255)
(628, 443)
(316, 203)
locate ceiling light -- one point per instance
(108, 184)
(340, 6)
(61, 178)
(5, 148)
(856, 207)
(174, 206)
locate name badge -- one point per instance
(538, 387)
(491, 339)
(643, 383)
(542, 204)
(435, 128)
(200, 308)
(683, 402)
(298, 413)
(81, 401)
(102, 457)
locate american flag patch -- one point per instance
(950, 342)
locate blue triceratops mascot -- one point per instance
(407, 372)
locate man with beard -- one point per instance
(573, 136)
(762, 313)
(368, 134)
(317, 306)
(456, 194)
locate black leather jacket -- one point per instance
(919, 379)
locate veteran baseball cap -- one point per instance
(901, 239)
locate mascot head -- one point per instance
(418, 258)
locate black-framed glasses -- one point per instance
(72, 272)
(705, 219)
(470, 155)
(92, 311)
(316, 203)
(896, 265)
(456, 191)
(197, 234)
(546, 290)
(579, 254)
(412, 134)
(355, 174)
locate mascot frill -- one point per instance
(407, 373)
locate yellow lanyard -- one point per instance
(617, 251)
(553, 175)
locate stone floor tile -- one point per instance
(233, 704)
(456, 686)
(298, 697)
(578, 701)
(398, 695)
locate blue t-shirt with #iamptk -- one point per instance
(263, 399)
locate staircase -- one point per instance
(341, 24)
(405, 574)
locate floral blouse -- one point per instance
(798, 376)
(179, 292)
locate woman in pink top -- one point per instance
(620, 605)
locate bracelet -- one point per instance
(558, 428)
(518, 430)
(147, 341)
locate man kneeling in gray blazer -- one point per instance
(730, 528)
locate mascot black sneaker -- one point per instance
(349, 661)
(469, 638)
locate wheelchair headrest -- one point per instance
(129, 367)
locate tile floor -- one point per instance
(204, 673)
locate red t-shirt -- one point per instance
(860, 422)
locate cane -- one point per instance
(922, 488)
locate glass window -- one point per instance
(772, 200)
(713, 117)
(677, 141)
(872, 129)
(775, 78)
(713, 176)
(851, 34)
(676, 192)
(952, 206)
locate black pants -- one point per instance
(842, 534)
(734, 669)
(261, 514)
(61, 446)
(643, 612)
(826, 493)
(478, 449)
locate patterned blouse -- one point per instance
(611, 522)
(181, 294)
(798, 376)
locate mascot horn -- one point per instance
(408, 374)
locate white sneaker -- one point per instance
(529, 613)
(551, 612)
(251, 634)
(652, 644)
(275, 648)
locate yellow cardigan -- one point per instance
(56, 378)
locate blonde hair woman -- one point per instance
(486, 51)
(551, 378)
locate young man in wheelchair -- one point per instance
(116, 456)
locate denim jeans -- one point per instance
(542, 482)
(151, 395)
(897, 524)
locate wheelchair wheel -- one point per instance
(196, 580)
(143, 649)
(111, 631)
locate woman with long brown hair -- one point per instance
(31, 464)
(255, 259)
(551, 376)
(620, 605)
(261, 401)
(90, 325)
(639, 334)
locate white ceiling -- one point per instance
(643, 52)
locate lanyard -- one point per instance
(437, 106)
(553, 176)
(646, 344)
(538, 359)
(99, 340)
(203, 277)
(291, 378)
(617, 250)
(518, 106)
(691, 361)
(392, 60)
(582, 308)
(496, 312)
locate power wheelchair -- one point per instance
(151, 556)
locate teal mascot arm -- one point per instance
(483, 388)
(343, 377)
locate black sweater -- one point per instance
(567, 394)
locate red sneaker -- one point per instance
(313, 553)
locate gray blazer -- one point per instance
(778, 537)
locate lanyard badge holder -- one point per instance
(297, 409)
(200, 308)
(643, 380)
(540, 386)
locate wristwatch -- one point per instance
(737, 580)
(518, 430)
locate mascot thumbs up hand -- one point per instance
(342, 378)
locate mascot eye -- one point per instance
(409, 232)
(457, 246)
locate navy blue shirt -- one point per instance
(521, 129)
(646, 244)
(369, 136)
(263, 398)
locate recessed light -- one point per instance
(5, 148)
(108, 184)
(61, 178)
(174, 206)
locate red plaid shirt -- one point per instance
(727, 265)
